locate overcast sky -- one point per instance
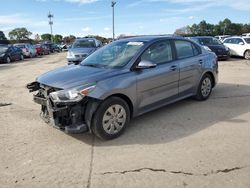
(83, 17)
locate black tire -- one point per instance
(247, 55)
(97, 121)
(201, 94)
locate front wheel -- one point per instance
(247, 55)
(111, 118)
(205, 88)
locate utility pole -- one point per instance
(113, 9)
(50, 16)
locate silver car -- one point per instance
(81, 49)
(28, 49)
(122, 80)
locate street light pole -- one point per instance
(113, 8)
(50, 16)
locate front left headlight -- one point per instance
(71, 95)
(70, 54)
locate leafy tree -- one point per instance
(225, 27)
(2, 36)
(19, 34)
(46, 37)
(69, 39)
(57, 38)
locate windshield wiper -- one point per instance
(95, 65)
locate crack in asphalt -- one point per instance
(5, 104)
(227, 170)
(91, 162)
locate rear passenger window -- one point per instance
(158, 53)
(184, 49)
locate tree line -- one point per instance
(225, 27)
(23, 35)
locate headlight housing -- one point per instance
(1, 55)
(227, 49)
(71, 95)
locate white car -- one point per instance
(239, 46)
(222, 37)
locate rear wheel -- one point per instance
(205, 88)
(111, 118)
(247, 54)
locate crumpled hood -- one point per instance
(82, 50)
(75, 75)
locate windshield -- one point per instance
(114, 55)
(247, 40)
(209, 41)
(3, 49)
(84, 44)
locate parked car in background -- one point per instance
(122, 80)
(56, 48)
(82, 48)
(214, 45)
(28, 49)
(222, 37)
(10, 53)
(246, 34)
(42, 49)
(39, 49)
(239, 46)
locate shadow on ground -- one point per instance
(183, 118)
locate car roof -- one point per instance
(150, 38)
(199, 37)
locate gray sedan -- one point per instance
(82, 48)
(123, 80)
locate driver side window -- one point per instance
(158, 53)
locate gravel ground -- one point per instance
(187, 144)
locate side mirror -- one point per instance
(145, 65)
(241, 43)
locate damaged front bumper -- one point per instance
(68, 117)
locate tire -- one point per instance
(8, 60)
(111, 118)
(247, 55)
(205, 88)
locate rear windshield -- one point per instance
(247, 40)
(84, 44)
(209, 41)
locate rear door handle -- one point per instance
(200, 61)
(173, 68)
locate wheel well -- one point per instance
(212, 76)
(127, 100)
(246, 51)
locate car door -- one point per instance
(11, 53)
(239, 47)
(190, 61)
(159, 84)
